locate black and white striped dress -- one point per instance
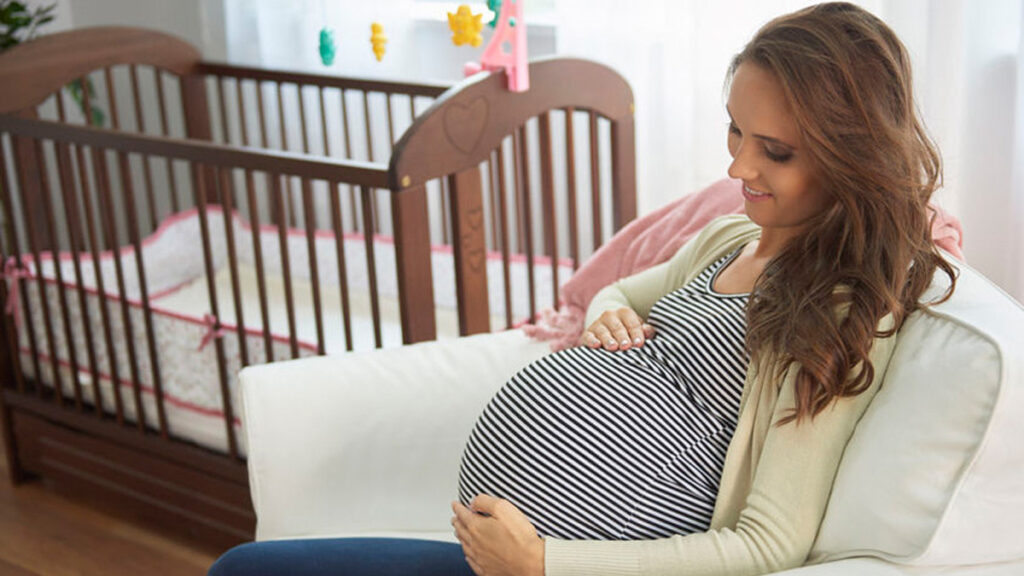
(592, 444)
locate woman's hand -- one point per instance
(619, 329)
(497, 538)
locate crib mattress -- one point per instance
(179, 302)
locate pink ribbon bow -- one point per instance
(14, 271)
(213, 330)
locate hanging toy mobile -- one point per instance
(466, 27)
(495, 7)
(511, 32)
(327, 47)
(378, 40)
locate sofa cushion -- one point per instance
(933, 474)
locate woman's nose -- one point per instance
(742, 168)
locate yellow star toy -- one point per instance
(378, 39)
(466, 27)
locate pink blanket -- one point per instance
(653, 239)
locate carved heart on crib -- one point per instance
(464, 124)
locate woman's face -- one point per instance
(769, 155)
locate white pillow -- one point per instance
(934, 473)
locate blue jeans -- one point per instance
(343, 557)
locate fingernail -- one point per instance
(638, 340)
(609, 343)
(625, 343)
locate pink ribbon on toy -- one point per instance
(213, 330)
(14, 271)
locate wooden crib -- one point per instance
(133, 172)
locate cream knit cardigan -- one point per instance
(776, 480)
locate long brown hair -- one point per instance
(847, 79)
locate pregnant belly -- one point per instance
(597, 445)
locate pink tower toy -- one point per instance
(511, 31)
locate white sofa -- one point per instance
(931, 483)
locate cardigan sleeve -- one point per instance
(778, 523)
(641, 290)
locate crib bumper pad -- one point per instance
(369, 443)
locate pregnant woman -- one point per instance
(698, 427)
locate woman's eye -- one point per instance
(776, 157)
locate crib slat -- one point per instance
(257, 248)
(623, 171)
(162, 103)
(262, 114)
(367, 125)
(218, 83)
(371, 230)
(445, 212)
(241, 112)
(570, 163)
(63, 180)
(547, 189)
(323, 121)
(348, 156)
(199, 181)
(110, 240)
(280, 217)
(128, 196)
(371, 261)
(14, 252)
(470, 252)
(112, 101)
(87, 104)
(391, 121)
(503, 217)
(302, 118)
(110, 222)
(71, 216)
(140, 121)
(33, 246)
(286, 268)
(595, 182)
(71, 221)
(410, 219)
(493, 201)
(227, 198)
(94, 245)
(292, 212)
(524, 197)
(339, 243)
(307, 207)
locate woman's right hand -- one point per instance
(619, 329)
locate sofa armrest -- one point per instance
(369, 442)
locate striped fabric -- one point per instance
(600, 445)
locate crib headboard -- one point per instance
(34, 71)
(462, 139)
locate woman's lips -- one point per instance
(752, 195)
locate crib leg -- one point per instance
(14, 471)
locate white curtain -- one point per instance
(968, 67)
(968, 57)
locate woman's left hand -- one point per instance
(497, 538)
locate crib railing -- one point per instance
(465, 136)
(93, 167)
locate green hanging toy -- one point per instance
(494, 6)
(327, 48)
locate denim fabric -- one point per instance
(343, 557)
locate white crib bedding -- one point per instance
(179, 301)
